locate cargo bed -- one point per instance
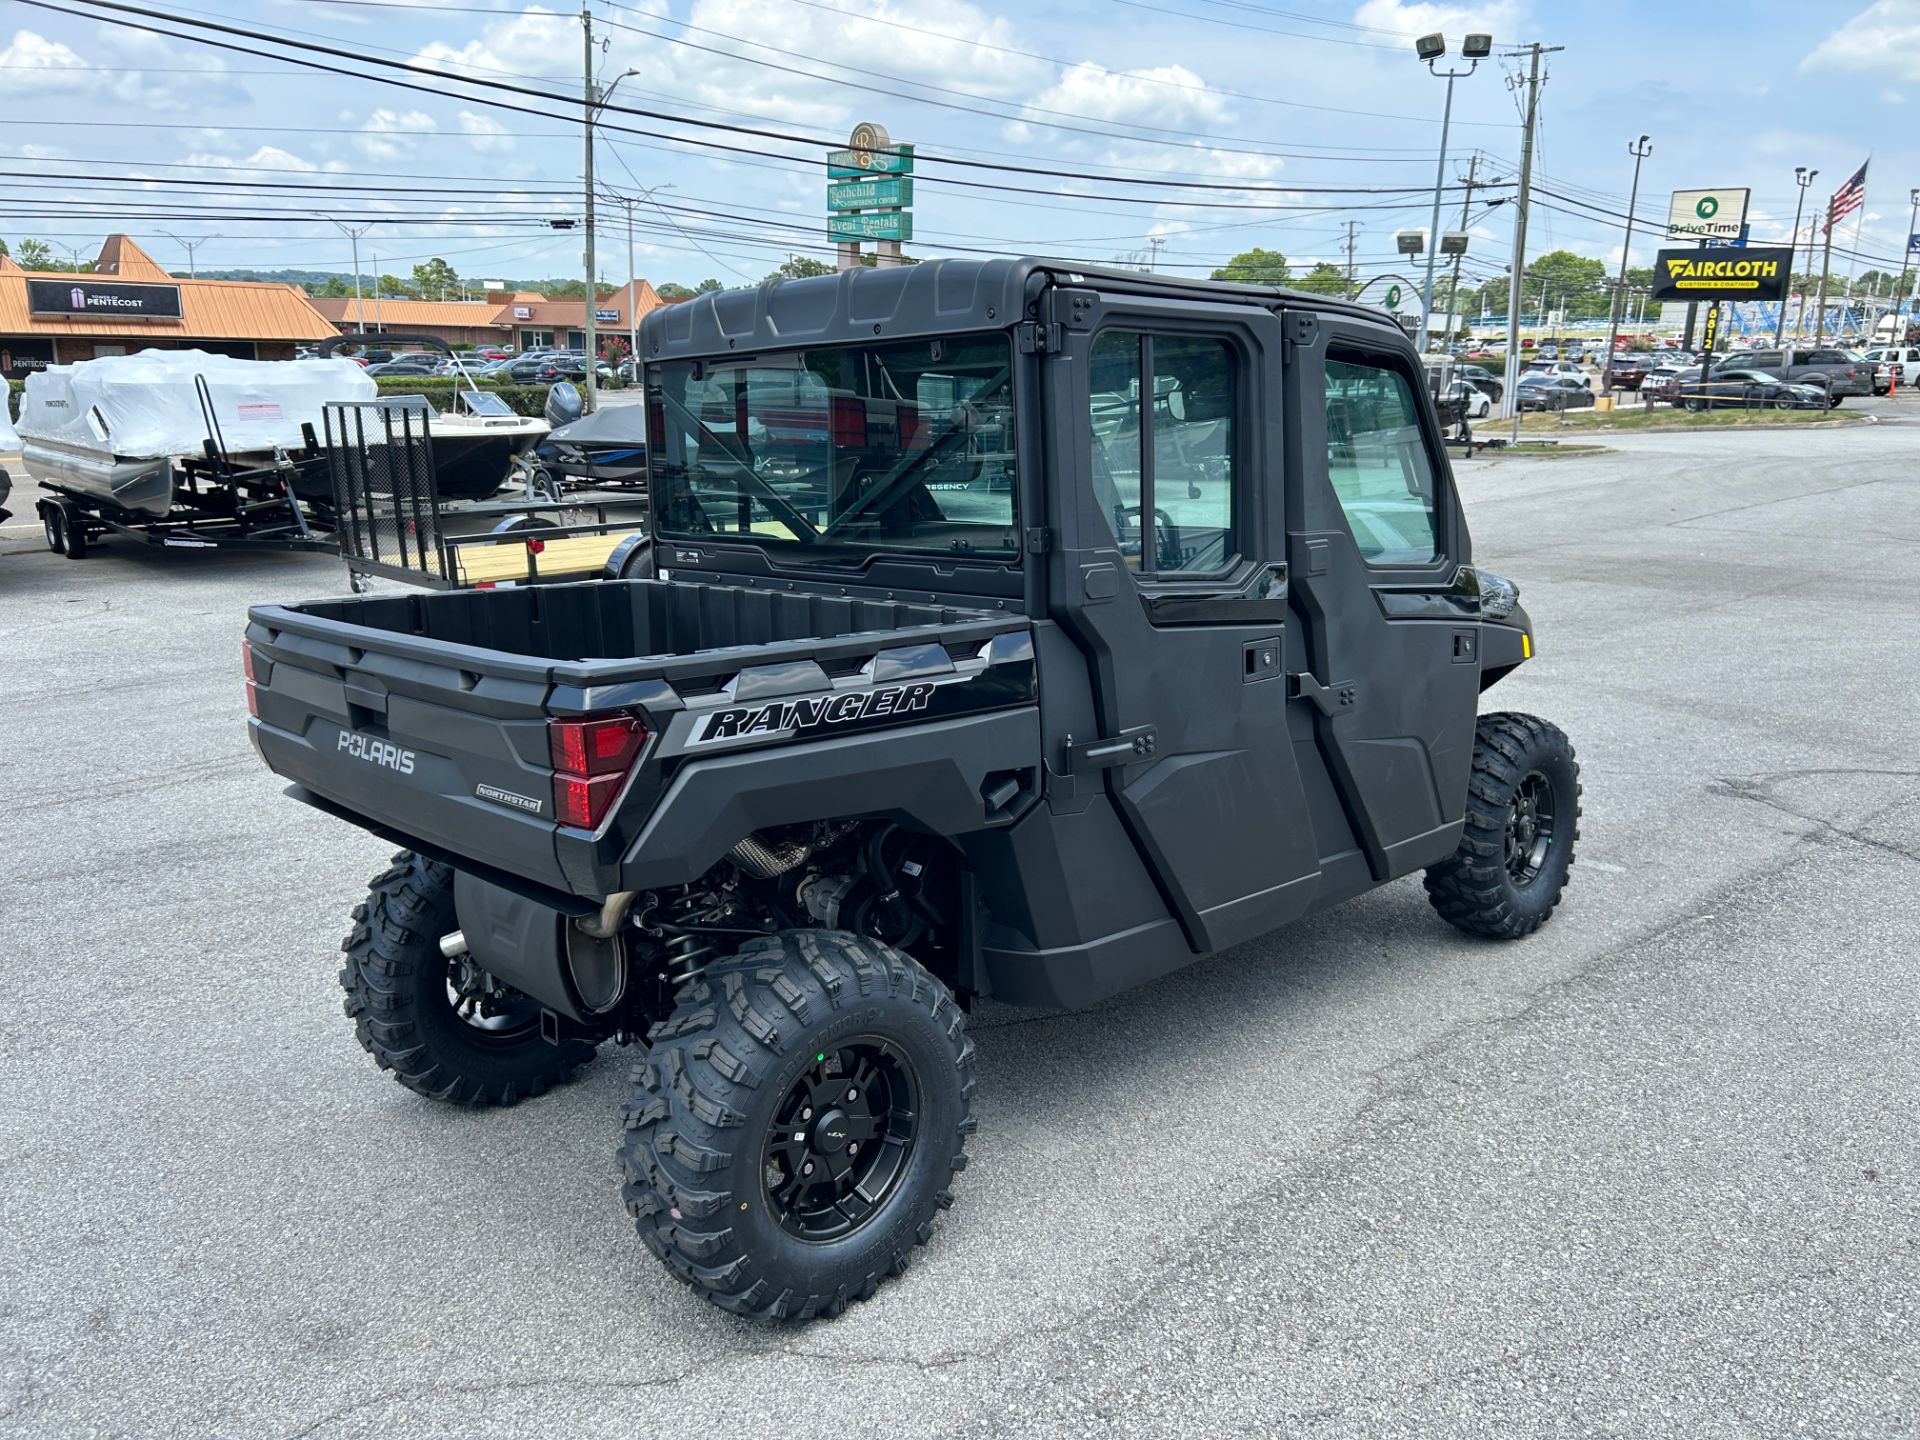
(425, 716)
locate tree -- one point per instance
(435, 279)
(799, 267)
(1571, 282)
(708, 286)
(334, 287)
(34, 255)
(1257, 267)
(3, 248)
(673, 290)
(1325, 278)
(393, 288)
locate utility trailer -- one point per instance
(1022, 630)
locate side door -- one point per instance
(1387, 667)
(1169, 573)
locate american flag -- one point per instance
(1848, 198)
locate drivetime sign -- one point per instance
(1707, 214)
(84, 295)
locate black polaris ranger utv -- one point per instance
(1018, 630)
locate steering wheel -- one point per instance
(1166, 538)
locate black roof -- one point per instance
(936, 297)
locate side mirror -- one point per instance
(564, 405)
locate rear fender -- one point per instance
(948, 777)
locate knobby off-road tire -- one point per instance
(720, 1123)
(1523, 819)
(405, 1016)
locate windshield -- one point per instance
(839, 453)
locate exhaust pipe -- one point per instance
(453, 945)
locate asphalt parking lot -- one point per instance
(1652, 1172)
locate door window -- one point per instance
(1378, 462)
(1161, 410)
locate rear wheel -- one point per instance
(1523, 818)
(797, 1123)
(1783, 402)
(53, 523)
(444, 1027)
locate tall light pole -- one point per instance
(1900, 301)
(1431, 48)
(189, 246)
(629, 202)
(1639, 149)
(1803, 177)
(353, 233)
(593, 100)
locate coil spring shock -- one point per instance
(687, 951)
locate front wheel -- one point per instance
(444, 1027)
(1523, 817)
(796, 1125)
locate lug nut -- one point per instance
(853, 1094)
(807, 1169)
(852, 1149)
(806, 1113)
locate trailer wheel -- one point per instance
(53, 521)
(1523, 818)
(443, 1027)
(797, 1123)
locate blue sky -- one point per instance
(1256, 96)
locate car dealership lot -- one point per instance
(1650, 1172)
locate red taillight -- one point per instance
(253, 682)
(590, 763)
(848, 417)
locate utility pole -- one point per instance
(354, 233)
(1471, 181)
(1352, 225)
(1155, 244)
(588, 103)
(1826, 266)
(1536, 50)
(1639, 150)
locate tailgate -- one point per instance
(453, 757)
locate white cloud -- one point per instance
(388, 134)
(40, 66)
(1884, 37)
(484, 133)
(41, 152)
(1167, 97)
(265, 161)
(1499, 18)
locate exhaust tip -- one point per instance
(453, 945)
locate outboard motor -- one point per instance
(564, 405)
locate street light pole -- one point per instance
(353, 233)
(1802, 177)
(1899, 304)
(189, 246)
(1640, 149)
(1430, 48)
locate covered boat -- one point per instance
(113, 430)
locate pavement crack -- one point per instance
(1759, 790)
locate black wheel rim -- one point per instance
(1530, 828)
(841, 1136)
(487, 1011)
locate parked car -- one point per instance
(493, 352)
(1481, 378)
(1842, 376)
(374, 356)
(1565, 369)
(1627, 372)
(404, 365)
(1902, 361)
(1743, 387)
(1470, 400)
(1541, 391)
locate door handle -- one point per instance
(1129, 747)
(1330, 700)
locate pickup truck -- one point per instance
(1018, 630)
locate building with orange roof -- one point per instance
(458, 322)
(538, 323)
(129, 302)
